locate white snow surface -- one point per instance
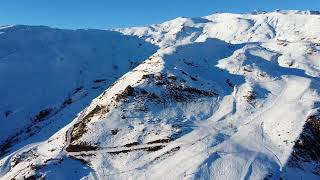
(223, 96)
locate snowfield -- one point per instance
(225, 96)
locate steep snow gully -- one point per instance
(225, 96)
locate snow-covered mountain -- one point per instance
(44, 71)
(226, 96)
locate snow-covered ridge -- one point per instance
(226, 96)
(44, 71)
(236, 28)
(307, 12)
(272, 29)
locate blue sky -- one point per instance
(124, 13)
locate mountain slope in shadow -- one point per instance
(49, 75)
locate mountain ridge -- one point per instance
(224, 96)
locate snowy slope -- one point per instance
(225, 96)
(44, 71)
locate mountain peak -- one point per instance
(226, 96)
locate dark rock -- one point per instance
(129, 91)
(99, 80)
(43, 114)
(80, 147)
(114, 131)
(7, 113)
(307, 147)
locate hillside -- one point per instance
(226, 96)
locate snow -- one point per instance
(65, 61)
(223, 96)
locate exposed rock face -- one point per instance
(306, 151)
(129, 91)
